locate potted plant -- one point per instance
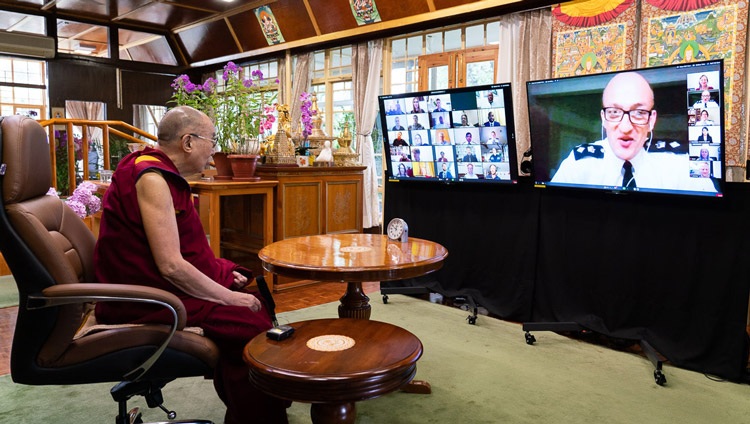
(242, 109)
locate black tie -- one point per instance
(705, 105)
(628, 181)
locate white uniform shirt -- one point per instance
(598, 165)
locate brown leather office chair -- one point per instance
(50, 252)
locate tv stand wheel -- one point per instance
(385, 298)
(660, 378)
(530, 339)
(472, 319)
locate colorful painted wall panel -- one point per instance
(593, 36)
(715, 32)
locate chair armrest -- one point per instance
(65, 294)
(96, 292)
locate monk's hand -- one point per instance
(247, 300)
(240, 281)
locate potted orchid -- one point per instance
(306, 119)
(242, 109)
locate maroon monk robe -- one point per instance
(123, 255)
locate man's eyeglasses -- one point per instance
(213, 141)
(636, 116)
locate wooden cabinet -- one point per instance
(314, 200)
(238, 217)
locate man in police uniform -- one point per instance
(621, 159)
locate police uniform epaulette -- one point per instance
(588, 150)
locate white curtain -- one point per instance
(525, 55)
(300, 83)
(92, 111)
(367, 60)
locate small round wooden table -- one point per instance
(354, 259)
(333, 363)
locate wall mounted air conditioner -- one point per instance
(27, 45)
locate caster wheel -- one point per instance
(472, 319)
(385, 298)
(530, 339)
(134, 416)
(660, 378)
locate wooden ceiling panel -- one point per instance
(165, 15)
(213, 6)
(444, 4)
(334, 16)
(100, 9)
(396, 9)
(247, 29)
(208, 41)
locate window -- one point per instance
(406, 50)
(82, 39)
(23, 87)
(147, 117)
(145, 47)
(332, 84)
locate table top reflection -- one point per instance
(352, 257)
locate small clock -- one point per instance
(398, 230)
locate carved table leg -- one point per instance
(354, 303)
(326, 413)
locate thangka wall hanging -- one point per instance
(268, 25)
(683, 31)
(364, 11)
(593, 36)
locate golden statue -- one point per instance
(280, 147)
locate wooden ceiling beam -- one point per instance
(312, 17)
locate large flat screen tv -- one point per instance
(461, 135)
(654, 130)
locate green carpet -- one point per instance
(8, 291)
(483, 373)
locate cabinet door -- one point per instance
(343, 206)
(302, 209)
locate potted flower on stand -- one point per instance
(242, 110)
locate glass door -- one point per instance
(463, 68)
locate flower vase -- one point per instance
(223, 167)
(243, 167)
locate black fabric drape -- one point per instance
(671, 270)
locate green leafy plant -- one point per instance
(240, 107)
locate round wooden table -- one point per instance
(333, 363)
(352, 258)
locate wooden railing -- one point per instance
(126, 131)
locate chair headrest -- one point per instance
(25, 154)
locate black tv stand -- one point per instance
(646, 347)
(471, 304)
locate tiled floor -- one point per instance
(287, 300)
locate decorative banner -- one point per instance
(364, 11)
(268, 25)
(719, 32)
(586, 13)
(593, 49)
(681, 5)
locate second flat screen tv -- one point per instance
(462, 135)
(654, 130)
